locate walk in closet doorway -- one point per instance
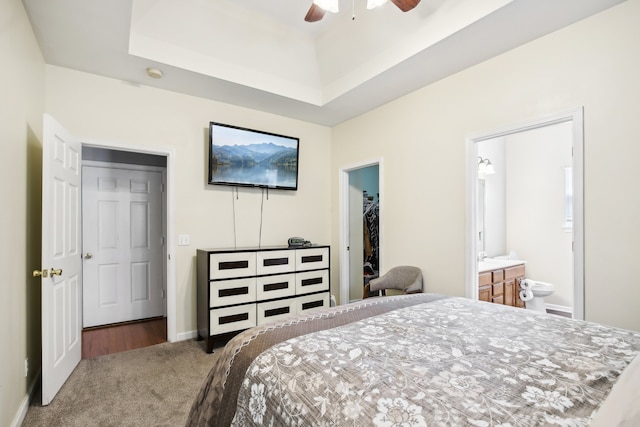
(360, 213)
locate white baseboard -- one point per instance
(24, 405)
(182, 336)
(562, 308)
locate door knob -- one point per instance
(40, 273)
(55, 272)
(88, 255)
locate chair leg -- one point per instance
(365, 292)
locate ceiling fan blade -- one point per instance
(405, 5)
(315, 13)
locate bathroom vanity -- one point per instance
(499, 281)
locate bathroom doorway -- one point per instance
(531, 207)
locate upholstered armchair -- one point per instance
(405, 278)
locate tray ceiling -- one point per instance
(261, 54)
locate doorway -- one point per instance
(360, 211)
(123, 234)
(123, 239)
(61, 278)
(484, 221)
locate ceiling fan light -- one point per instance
(371, 4)
(328, 5)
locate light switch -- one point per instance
(183, 240)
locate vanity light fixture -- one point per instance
(485, 167)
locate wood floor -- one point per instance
(122, 337)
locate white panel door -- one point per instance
(62, 290)
(122, 244)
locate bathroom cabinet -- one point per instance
(501, 285)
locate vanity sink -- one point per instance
(494, 263)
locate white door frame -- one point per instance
(576, 116)
(170, 223)
(343, 179)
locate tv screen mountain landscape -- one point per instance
(251, 158)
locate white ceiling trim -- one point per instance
(262, 55)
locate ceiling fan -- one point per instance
(319, 7)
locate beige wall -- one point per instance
(421, 138)
(102, 109)
(21, 107)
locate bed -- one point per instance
(423, 360)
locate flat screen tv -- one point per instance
(252, 158)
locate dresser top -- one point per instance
(262, 248)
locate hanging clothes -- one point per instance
(371, 235)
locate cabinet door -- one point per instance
(484, 293)
(509, 292)
(497, 293)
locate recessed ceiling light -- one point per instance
(154, 73)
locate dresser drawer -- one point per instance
(484, 279)
(229, 292)
(312, 281)
(232, 264)
(270, 287)
(274, 262)
(231, 319)
(513, 272)
(498, 276)
(273, 310)
(310, 302)
(312, 259)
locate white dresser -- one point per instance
(241, 288)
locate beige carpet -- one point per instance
(152, 386)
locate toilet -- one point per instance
(539, 290)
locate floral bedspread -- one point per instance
(450, 361)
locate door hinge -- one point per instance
(162, 241)
(162, 188)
